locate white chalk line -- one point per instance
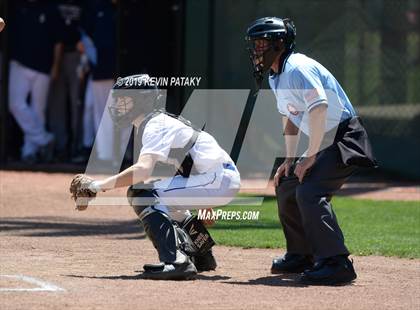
(42, 285)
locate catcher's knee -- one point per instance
(141, 198)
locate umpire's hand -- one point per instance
(283, 170)
(303, 166)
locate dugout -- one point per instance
(372, 47)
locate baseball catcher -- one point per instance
(206, 177)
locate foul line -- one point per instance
(43, 286)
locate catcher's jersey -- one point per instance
(303, 84)
(163, 133)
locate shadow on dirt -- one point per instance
(121, 277)
(140, 277)
(65, 227)
(275, 280)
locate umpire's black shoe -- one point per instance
(336, 270)
(291, 263)
(162, 271)
(205, 262)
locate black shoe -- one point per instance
(46, 152)
(162, 271)
(336, 270)
(29, 159)
(291, 263)
(205, 262)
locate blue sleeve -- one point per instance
(308, 86)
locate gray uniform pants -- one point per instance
(67, 86)
(305, 211)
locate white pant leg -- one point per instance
(20, 84)
(88, 117)
(216, 188)
(39, 93)
(104, 142)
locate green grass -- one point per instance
(388, 228)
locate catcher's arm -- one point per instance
(139, 172)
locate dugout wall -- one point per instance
(372, 48)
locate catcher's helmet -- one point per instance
(273, 30)
(132, 96)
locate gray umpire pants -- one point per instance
(305, 211)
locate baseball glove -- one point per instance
(79, 188)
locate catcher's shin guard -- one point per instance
(202, 242)
(175, 265)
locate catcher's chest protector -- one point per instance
(182, 155)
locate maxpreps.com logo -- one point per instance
(230, 215)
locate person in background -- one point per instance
(35, 56)
(88, 59)
(66, 88)
(100, 25)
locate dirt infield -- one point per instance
(54, 257)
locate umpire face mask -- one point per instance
(263, 53)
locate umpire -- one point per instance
(312, 102)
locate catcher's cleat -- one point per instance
(337, 270)
(162, 271)
(205, 262)
(175, 263)
(291, 263)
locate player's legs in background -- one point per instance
(104, 127)
(71, 62)
(21, 81)
(88, 117)
(39, 94)
(58, 114)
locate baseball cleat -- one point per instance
(162, 271)
(336, 270)
(291, 263)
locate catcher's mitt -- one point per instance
(79, 188)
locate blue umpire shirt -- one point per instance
(301, 85)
